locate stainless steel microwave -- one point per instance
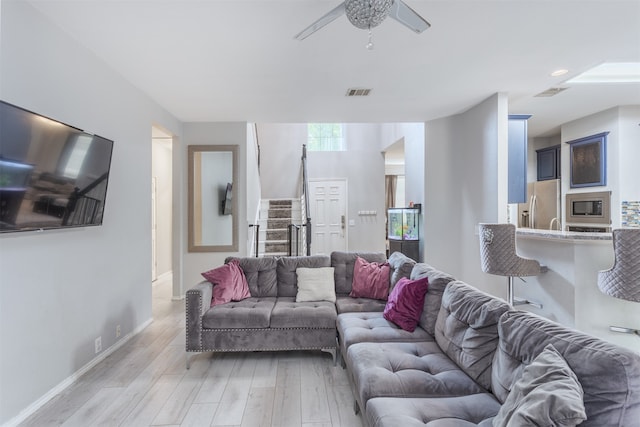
(589, 208)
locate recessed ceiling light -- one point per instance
(560, 72)
(610, 72)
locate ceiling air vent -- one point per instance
(358, 92)
(551, 92)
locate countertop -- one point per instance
(561, 235)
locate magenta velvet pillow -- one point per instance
(406, 302)
(370, 280)
(229, 283)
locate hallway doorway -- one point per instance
(161, 205)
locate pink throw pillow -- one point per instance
(370, 280)
(229, 283)
(406, 303)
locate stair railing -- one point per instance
(305, 194)
(82, 208)
(256, 231)
(293, 239)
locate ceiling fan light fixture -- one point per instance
(366, 14)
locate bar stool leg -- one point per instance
(519, 301)
(624, 330)
(510, 291)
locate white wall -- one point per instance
(62, 289)
(162, 172)
(465, 184)
(415, 169)
(235, 133)
(254, 189)
(628, 155)
(280, 159)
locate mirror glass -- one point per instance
(213, 211)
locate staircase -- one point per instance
(275, 217)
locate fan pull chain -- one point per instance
(370, 43)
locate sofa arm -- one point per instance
(197, 302)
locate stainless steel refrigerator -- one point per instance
(542, 209)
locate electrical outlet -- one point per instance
(118, 331)
(98, 345)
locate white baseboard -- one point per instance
(31, 409)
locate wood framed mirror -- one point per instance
(213, 199)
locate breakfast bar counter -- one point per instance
(561, 235)
(569, 291)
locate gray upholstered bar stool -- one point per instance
(498, 256)
(623, 279)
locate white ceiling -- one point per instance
(209, 60)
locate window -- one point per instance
(325, 137)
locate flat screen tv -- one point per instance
(52, 175)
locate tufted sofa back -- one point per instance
(260, 274)
(609, 374)
(272, 277)
(467, 329)
(343, 263)
(438, 281)
(401, 266)
(286, 271)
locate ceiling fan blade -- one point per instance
(326, 19)
(408, 17)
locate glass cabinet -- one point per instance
(403, 231)
(403, 224)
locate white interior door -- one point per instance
(328, 209)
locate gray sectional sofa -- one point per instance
(473, 360)
(466, 363)
(271, 319)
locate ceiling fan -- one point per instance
(366, 14)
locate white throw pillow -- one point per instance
(315, 284)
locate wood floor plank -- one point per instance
(179, 402)
(259, 409)
(138, 388)
(200, 414)
(236, 393)
(221, 366)
(129, 367)
(313, 393)
(152, 402)
(341, 402)
(266, 370)
(286, 405)
(95, 407)
(180, 339)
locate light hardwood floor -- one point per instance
(145, 383)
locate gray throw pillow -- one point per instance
(547, 394)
